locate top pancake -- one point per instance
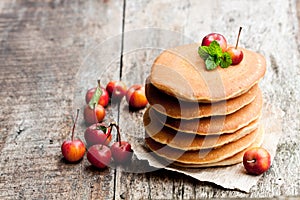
(172, 107)
(180, 72)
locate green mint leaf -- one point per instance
(202, 51)
(217, 60)
(226, 60)
(94, 100)
(215, 49)
(213, 56)
(210, 63)
(205, 48)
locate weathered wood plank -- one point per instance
(263, 32)
(43, 44)
(141, 47)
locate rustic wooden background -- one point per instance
(47, 49)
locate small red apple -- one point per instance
(103, 97)
(73, 150)
(116, 90)
(121, 150)
(99, 156)
(136, 97)
(98, 134)
(215, 36)
(93, 116)
(256, 160)
(236, 54)
(103, 100)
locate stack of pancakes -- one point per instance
(201, 118)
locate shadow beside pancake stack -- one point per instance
(199, 117)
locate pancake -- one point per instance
(237, 158)
(184, 141)
(180, 72)
(205, 156)
(214, 125)
(172, 107)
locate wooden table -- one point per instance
(48, 48)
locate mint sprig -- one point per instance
(213, 56)
(95, 98)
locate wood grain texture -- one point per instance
(43, 44)
(261, 29)
(52, 51)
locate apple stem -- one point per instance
(107, 127)
(99, 84)
(73, 129)
(118, 132)
(238, 38)
(251, 161)
(109, 133)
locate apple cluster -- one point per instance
(98, 135)
(114, 93)
(235, 53)
(99, 154)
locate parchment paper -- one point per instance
(230, 177)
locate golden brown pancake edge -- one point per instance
(187, 141)
(237, 158)
(175, 108)
(203, 156)
(214, 125)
